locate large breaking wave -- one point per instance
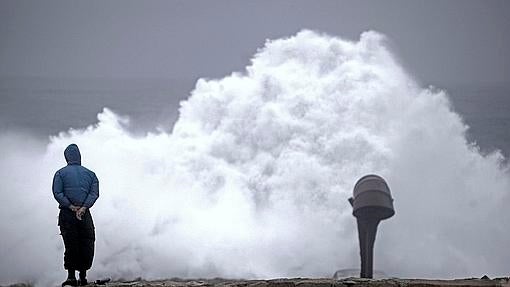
(253, 181)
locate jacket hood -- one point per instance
(72, 154)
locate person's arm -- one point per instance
(93, 194)
(58, 191)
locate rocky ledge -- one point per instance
(305, 282)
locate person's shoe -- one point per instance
(82, 282)
(70, 282)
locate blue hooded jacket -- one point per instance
(75, 184)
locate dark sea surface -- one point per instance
(486, 110)
(44, 107)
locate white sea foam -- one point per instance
(253, 181)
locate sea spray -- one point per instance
(253, 181)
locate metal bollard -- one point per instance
(371, 202)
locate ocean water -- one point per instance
(252, 178)
(486, 110)
(44, 107)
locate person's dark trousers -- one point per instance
(78, 238)
(367, 229)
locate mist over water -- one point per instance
(254, 178)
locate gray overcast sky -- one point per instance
(461, 42)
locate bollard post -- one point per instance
(371, 203)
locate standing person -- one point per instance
(76, 189)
